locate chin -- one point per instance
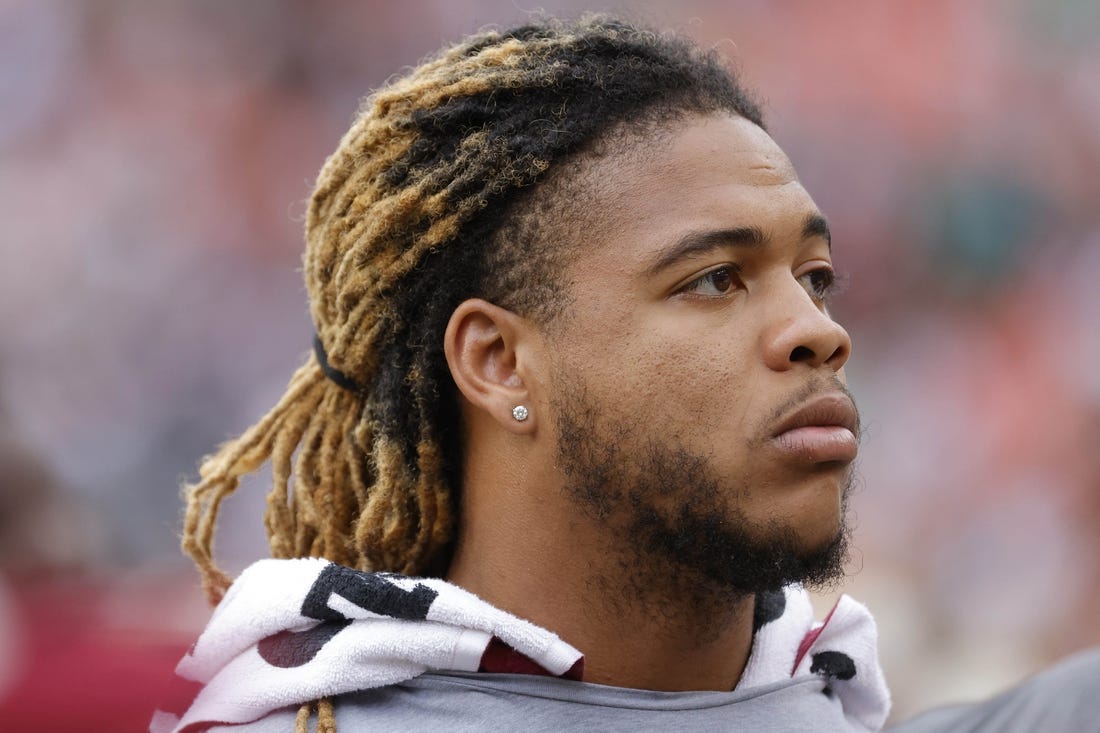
(820, 534)
(814, 515)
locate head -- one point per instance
(690, 394)
(698, 334)
(567, 186)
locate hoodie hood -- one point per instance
(293, 631)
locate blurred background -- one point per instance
(154, 162)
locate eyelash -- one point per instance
(824, 290)
(734, 274)
(821, 283)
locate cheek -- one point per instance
(690, 384)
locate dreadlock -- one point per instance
(430, 200)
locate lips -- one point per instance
(821, 430)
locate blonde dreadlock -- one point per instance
(428, 201)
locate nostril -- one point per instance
(839, 357)
(802, 353)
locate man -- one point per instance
(575, 428)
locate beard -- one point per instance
(672, 522)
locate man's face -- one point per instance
(696, 338)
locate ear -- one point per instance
(487, 350)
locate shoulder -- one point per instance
(1062, 699)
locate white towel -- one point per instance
(843, 649)
(292, 631)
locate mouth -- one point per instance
(822, 430)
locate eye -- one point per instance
(820, 283)
(716, 283)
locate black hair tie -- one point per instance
(333, 374)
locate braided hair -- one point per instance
(445, 188)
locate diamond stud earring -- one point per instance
(519, 412)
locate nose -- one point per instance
(801, 331)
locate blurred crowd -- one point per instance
(154, 162)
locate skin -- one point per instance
(702, 353)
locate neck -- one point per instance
(637, 626)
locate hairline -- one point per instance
(576, 179)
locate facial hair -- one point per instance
(670, 518)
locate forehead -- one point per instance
(708, 172)
(705, 149)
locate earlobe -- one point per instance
(485, 349)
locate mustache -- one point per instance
(813, 388)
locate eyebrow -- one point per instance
(703, 242)
(814, 225)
